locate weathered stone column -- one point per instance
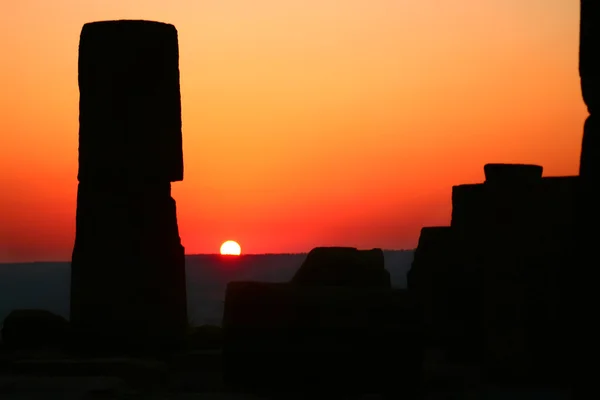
(432, 278)
(589, 72)
(127, 272)
(583, 279)
(513, 236)
(512, 255)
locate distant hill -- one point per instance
(46, 284)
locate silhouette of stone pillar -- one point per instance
(513, 237)
(468, 216)
(589, 64)
(589, 72)
(127, 272)
(582, 282)
(512, 257)
(430, 277)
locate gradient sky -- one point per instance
(305, 122)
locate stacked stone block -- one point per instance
(128, 279)
(287, 338)
(432, 278)
(582, 281)
(514, 237)
(336, 327)
(343, 266)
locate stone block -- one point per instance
(589, 167)
(128, 268)
(434, 279)
(29, 329)
(512, 174)
(129, 105)
(467, 205)
(515, 249)
(589, 60)
(128, 292)
(284, 337)
(343, 266)
(527, 248)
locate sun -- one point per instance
(231, 248)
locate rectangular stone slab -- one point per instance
(589, 56)
(130, 105)
(589, 32)
(128, 267)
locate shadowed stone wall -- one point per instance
(433, 279)
(514, 238)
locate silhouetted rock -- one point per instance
(589, 71)
(467, 205)
(431, 252)
(343, 266)
(582, 282)
(130, 106)
(468, 210)
(590, 149)
(589, 64)
(34, 329)
(128, 283)
(287, 337)
(511, 174)
(128, 288)
(527, 248)
(329, 329)
(514, 241)
(436, 280)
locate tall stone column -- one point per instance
(589, 72)
(127, 272)
(583, 279)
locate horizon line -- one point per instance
(186, 255)
(285, 253)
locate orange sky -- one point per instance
(305, 122)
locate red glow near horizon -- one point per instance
(304, 123)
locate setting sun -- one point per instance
(328, 84)
(231, 248)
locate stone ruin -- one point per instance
(498, 267)
(582, 282)
(432, 276)
(343, 266)
(510, 284)
(33, 329)
(127, 272)
(507, 285)
(525, 252)
(523, 241)
(336, 326)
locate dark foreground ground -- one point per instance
(198, 375)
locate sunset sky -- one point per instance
(305, 122)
